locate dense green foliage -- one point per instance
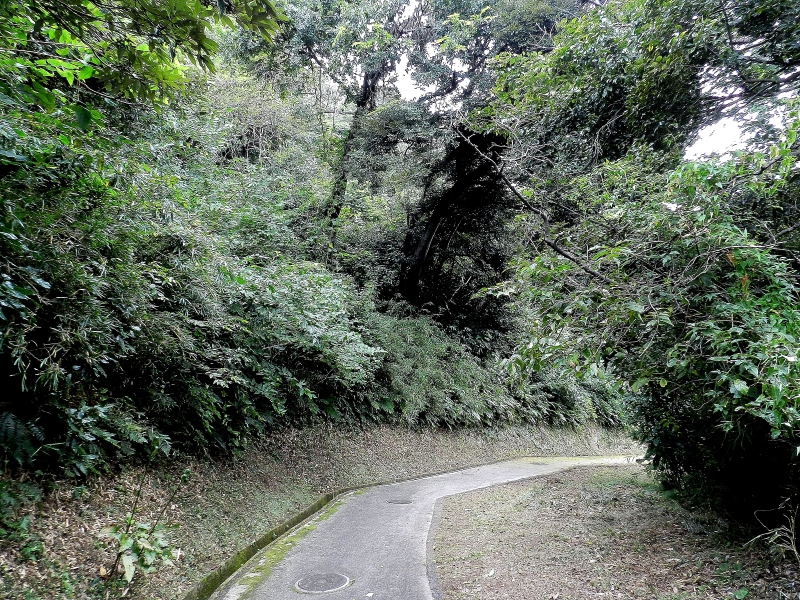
(218, 220)
(701, 316)
(170, 278)
(681, 278)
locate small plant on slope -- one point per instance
(141, 544)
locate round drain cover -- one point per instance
(398, 501)
(322, 582)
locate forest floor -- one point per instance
(226, 504)
(596, 532)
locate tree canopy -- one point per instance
(679, 276)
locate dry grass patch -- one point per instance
(595, 532)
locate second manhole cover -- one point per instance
(320, 583)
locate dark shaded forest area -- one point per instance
(221, 220)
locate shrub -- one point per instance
(697, 311)
(431, 379)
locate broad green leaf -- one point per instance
(83, 116)
(129, 565)
(85, 72)
(636, 307)
(739, 387)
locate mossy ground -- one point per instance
(260, 566)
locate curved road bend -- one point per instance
(375, 544)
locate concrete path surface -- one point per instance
(375, 544)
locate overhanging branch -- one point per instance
(542, 214)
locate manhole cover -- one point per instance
(322, 582)
(398, 501)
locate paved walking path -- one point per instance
(375, 544)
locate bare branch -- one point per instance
(542, 214)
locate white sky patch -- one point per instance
(722, 138)
(727, 135)
(408, 88)
(409, 9)
(405, 83)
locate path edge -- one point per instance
(430, 546)
(210, 583)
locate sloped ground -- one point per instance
(226, 504)
(595, 532)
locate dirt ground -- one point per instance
(228, 503)
(595, 532)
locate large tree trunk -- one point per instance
(365, 103)
(418, 255)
